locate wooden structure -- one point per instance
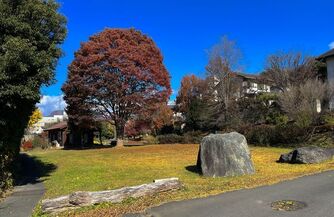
(79, 138)
(58, 133)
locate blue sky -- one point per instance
(185, 29)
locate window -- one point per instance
(253, 85)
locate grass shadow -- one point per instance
(193, 169)
(30, 170)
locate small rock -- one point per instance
(285, 158)
(307, 155)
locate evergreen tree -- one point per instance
(30, 34)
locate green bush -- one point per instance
(194, 137)
(150, 140)
(262, 135)
(291, 133)
(40, 142)
(328, 118)
(270, 135)
(6, 181)
(170, 139)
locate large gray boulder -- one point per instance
(224, 155)
(307, 155)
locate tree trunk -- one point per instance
(120, 143)
(120, 130)
(120, 134)
(100, 137)
(81, 199)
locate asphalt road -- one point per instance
(23, 200)
(317, 191)
(29, 189)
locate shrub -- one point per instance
(194, 137)
(150, 140)
(291, 133)
(300, 101)
(40, 142)
(27, 145)
(328, 118)
(270, 135)
(260, 134)
(6, 181)
(170, 139)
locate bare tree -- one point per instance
(224, 59)
(290, 69)
(302, 102)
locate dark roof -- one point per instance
(61, 125)
(57, 112)
(171, 106)
(326, 55)
(248, 76)
(257, 78)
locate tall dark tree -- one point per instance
(196, 118)
(117, 74)
(30, 34)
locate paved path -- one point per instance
(316, 191)
(29, 190)
(23, 200)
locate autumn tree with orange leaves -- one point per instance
(163, 116)
(192, 100)
(117, 75)
(191, 87)
(159, 116)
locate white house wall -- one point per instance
(330, 77)
(330, 69)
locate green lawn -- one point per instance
(101, 169)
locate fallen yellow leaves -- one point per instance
(115, 168)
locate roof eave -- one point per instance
(57, 128)
(326, 55)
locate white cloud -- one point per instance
(331, 45)
(49, 104)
